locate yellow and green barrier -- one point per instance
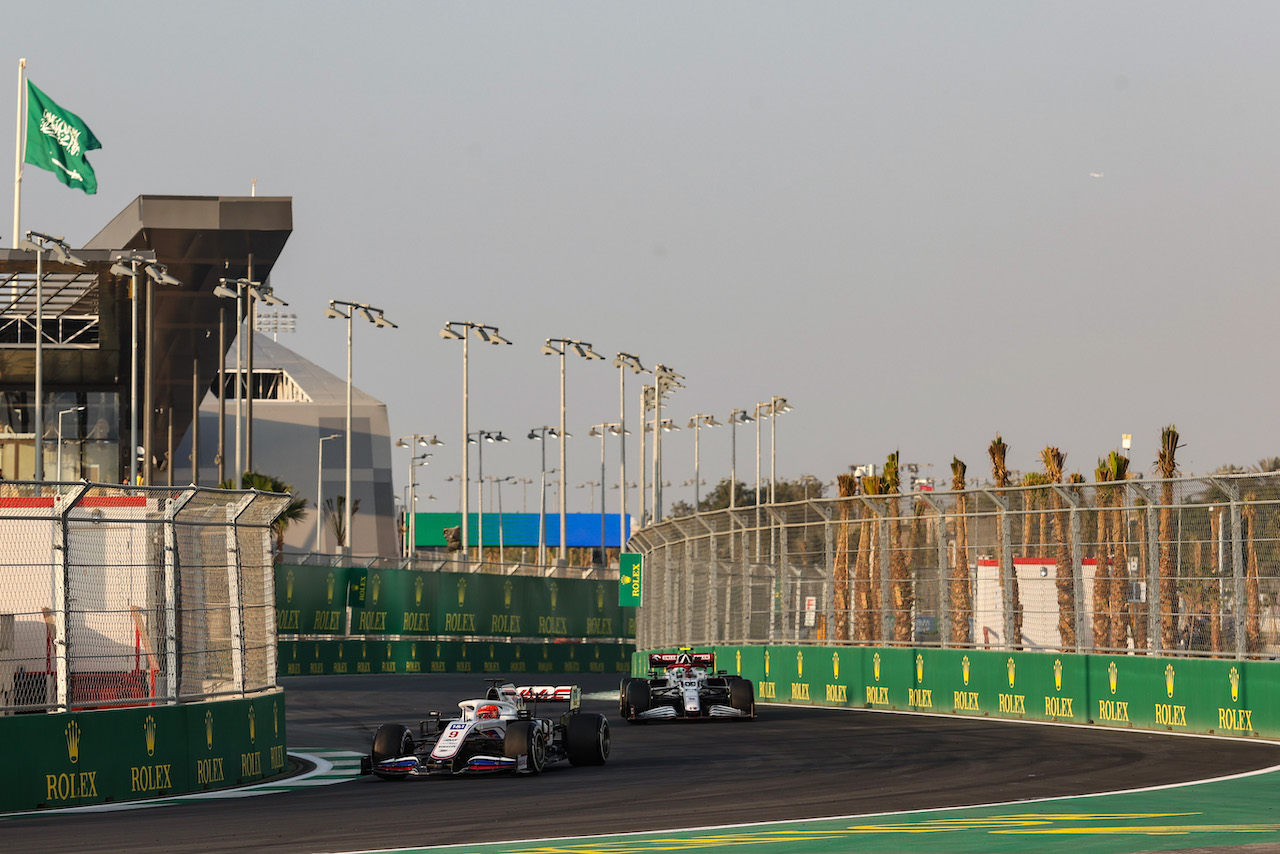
(1224, 697)
(347, 657)
(110, 755)
(313, 600)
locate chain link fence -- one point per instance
(1171, 567)
(116, 596)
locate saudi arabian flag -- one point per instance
(59, 141)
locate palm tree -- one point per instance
(998, 451)
(294, 511)
(335, 512)
(1168, 468)
(1118, 471)
(866, 590)
(900, 577)
(961, 605)
(1253, 609)
(1054, 462)
(848, 485)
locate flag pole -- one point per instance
(17, 155)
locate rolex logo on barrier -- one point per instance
(413, 651)
(275, 719)
(149, 733)
(253, 719)
(388, 651)
(364, 651)
(73, 742)
(1168, 681)
(596, 647)
(799, 663)
(417, 589)
(738, 662)
(1057, 674)
(555, 593)
(506, 594)
(439, 650)
(208, 730)
(919, 667)
(875, 666)
(964, 669)
(1234, 676)
(766, 664)
(328, 588)
(599, 597)
(1011, 666)
(835, 665)
(492, 650)
(375, 585)
(462, 591)
(288, 586)
(1112, 674)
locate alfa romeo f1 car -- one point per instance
(496, 733)
(686, 685)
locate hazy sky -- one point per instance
(883, 212)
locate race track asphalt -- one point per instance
(792, 763)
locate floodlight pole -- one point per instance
(348, 312)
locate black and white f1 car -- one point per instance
(686, 684)
(498, 732)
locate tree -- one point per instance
(961, 604)
(1055, 462)
(998, 451)
(335, 511)
(848, 487)
(294, 511)
(899, 575)
(1167, 466)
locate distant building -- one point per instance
(296, 404)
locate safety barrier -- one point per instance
(137, 656)
(1187, 566)
(353, 657)
(81, 758)
(1193, 695)
(361, 602)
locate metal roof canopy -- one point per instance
(69, 297)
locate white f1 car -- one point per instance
(686, 685)
(495, 733)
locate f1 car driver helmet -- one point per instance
(488, 712)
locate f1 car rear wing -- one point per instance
(664, 660)
(570, 694)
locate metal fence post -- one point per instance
(172, 569)
(235, 603)
(61, 574)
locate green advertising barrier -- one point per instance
(1212, 696)
(345, 657)
(312, 601)
(112, 755)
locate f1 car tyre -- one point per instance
(587, 739)
(391, 741)
(638, 698)
(622, 695)
(742, 696)
(524, 738)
